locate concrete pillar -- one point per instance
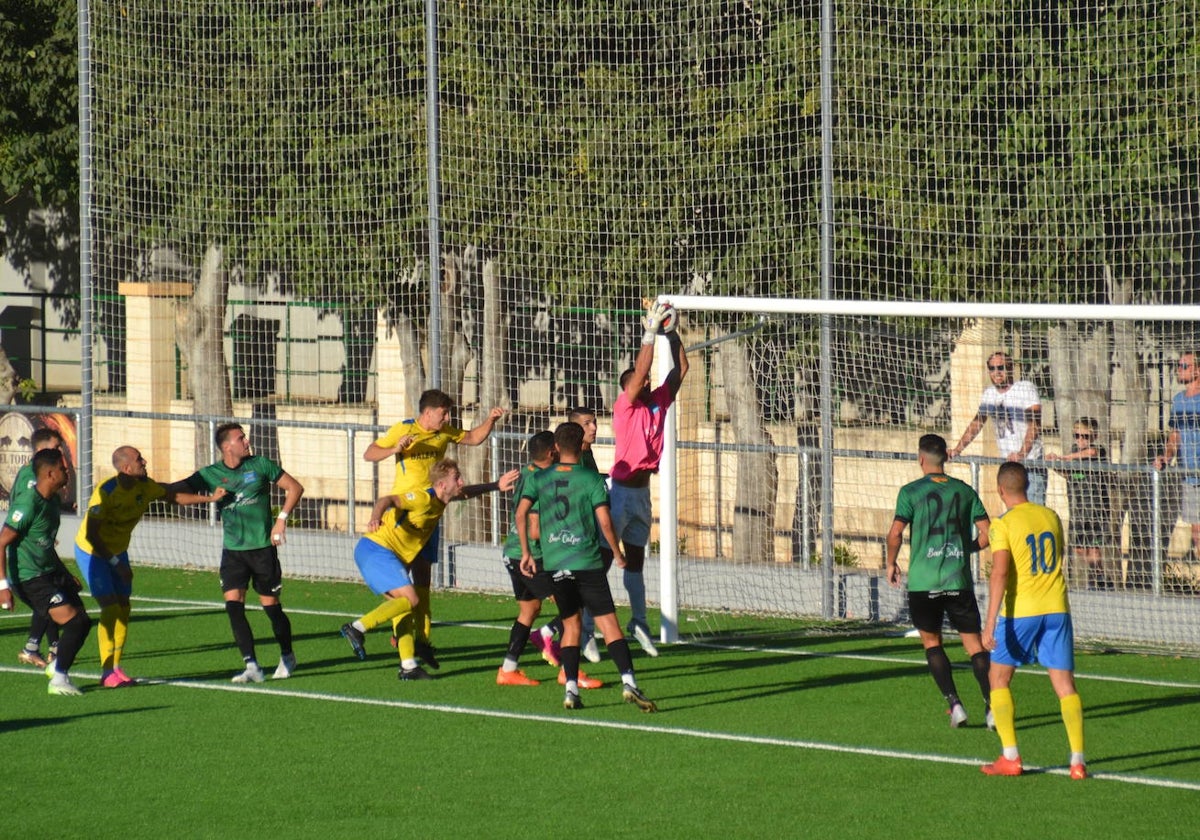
(150, 374)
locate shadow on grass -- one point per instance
(20, 724)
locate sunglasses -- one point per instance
(994, 368)
(1079, 436)
(1183, 365)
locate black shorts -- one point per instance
(587, 588)
(929, 610)
(260, 565)
(46, 592)
(537, 588)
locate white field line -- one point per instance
(788, 743)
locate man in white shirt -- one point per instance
(1016, 411)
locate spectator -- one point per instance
(1016, 412)
(1090, 523)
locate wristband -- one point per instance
(3, 584)
(649, 336)
(283, 514)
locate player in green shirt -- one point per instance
(940, 511)
(38, 574)
(251, 541)
(572, 503)
(40, 623)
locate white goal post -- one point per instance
(710, 320)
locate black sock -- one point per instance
(38, 625)
(618, 651)
(243, 636)
(981, 664)
(518, 637)
(281, 625)
(74, 634)
(556, 626)
(569, 657)
(939, 667)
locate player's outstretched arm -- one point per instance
(182, 495)
(480, 433)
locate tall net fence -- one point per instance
(261, 232)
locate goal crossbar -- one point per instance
(936, 309)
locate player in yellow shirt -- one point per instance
(1027, 583)
(417, 445)
(400, 526)
(102, 549)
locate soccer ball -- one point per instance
(669, 320)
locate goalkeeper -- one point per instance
(639, 421)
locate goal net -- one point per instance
(781, 482)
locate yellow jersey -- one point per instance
(117, 510)
(412, 465)
(1032, 534)
(406, 528)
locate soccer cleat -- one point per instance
(590, 650)
(584, 680)
(427, 654)
(124, 676)
(514, 678)
(1079, 771)
(115, 679)
(1003, 767)
(410, 674)
(572, 701)
(356, 639)
(958, 715)
(991, 720)
(633, 694)
(252, 674)
(62, 686)
(32, 657)
(287, 664)
(643, 638)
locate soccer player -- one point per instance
(39, 623)
(1027, 584)
(399, 528)
(573, 512)
(529, 591)
(639, 421)
(38, 574)
(102, 549)
(251, 542)
(543, 639)
(940, 510)
(417, 445)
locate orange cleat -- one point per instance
(1079, 771)
(1003, 767)
(584, 680)
(514, 678)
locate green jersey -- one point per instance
(246, 509)
(512, 545)
(35, 519)
(567, 496)
(23, 483)
(940, 510)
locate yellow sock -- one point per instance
(423, 613)
(405, 644)
(104, 635)
(120, 633)
(1004, 712)
(385, 612)
(1072, 715)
